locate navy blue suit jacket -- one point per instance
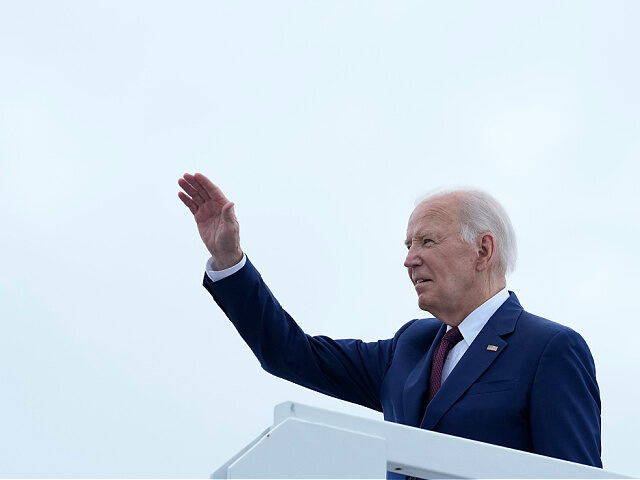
(536, 393)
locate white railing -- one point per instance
(309, 442)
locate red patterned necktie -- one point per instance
(449, 340)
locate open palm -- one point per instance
(215, 218)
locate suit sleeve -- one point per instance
(351, 370)
(565, 402)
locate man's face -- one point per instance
(441, 266)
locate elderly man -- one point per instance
(483, 369)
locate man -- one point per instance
(483, 369)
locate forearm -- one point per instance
(348, 369)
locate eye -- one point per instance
(427, 241)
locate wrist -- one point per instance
(227, 261)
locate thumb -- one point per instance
(228, 213)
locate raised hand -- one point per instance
(215, 218)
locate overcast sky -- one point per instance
(323, 122)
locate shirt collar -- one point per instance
(476, 320)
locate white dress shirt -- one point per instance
(469, 328)
(216, 275)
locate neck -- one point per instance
(472, 301)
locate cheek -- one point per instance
(465, 273)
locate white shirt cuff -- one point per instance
(216, 275)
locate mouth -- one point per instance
(420, 281)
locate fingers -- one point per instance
(191, 180)
(200, 190)
(210, 189)
(191, 190)
(188, 202)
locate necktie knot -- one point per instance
(452, 337)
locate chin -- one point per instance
(424, 306)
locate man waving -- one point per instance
(483, 368)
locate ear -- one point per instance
(486, 250)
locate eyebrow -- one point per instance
(421, 235)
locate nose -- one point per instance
(413, 259)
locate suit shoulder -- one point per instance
(418, 325)
(414, 335)
(417, 330)
(543, 328)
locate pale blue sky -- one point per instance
(323, 121)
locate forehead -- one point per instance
(435, 215)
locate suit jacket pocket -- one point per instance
(492, 387)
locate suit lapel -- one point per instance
(416, 386)
(476, 360)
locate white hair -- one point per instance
(481, 213)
